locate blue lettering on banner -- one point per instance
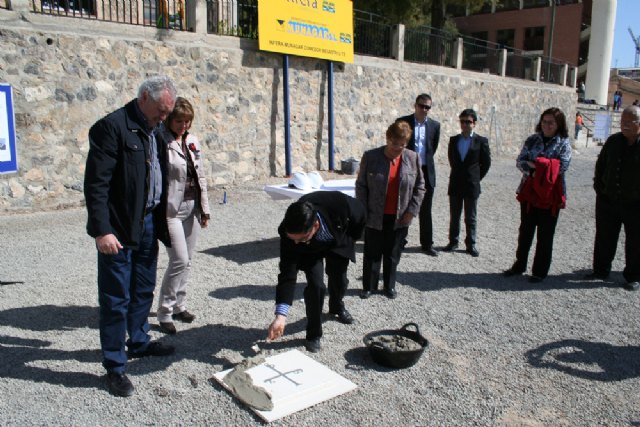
(328, 6)
(309, 30)
(345, 38)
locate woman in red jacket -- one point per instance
(539, 207)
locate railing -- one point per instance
(480, 57)
(428, 45)
(168, 14)
(520, 66)
(371, 35)
(233, 18)
(551, 71)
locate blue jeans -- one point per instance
(125, 292)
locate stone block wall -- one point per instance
(66, 73)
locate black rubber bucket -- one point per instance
(396, 359)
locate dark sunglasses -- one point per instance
(424, 106)
(467, 122)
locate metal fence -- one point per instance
(168, 14)
(520, 66)
(479, 55)
(428, 45)
(551, 71)
(371, 35)
(233, 18)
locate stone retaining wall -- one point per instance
(66, 73)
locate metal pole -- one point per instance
(553, 24)
(287, 129)
(330, 100)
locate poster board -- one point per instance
(313, 28)
(602, 125)
(8, 157)
(283, 191)
(295, 382)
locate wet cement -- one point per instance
(242, 385)
(395, 343)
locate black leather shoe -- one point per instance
(535, 279)
(184, 316)
(343, 316)
(471, 250)
(365, 294)
(512, 272)
(119, 385)
(312, 346)
(632, 286)
(450, 247)
(596, 276)
(168, 328)
(390, 293)
(154, 348)
(430, 251)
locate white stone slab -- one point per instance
(281, 192)
(295, 382)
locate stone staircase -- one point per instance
(589, 112)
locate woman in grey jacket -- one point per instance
(187, 212)
(390, 185)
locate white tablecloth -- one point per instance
(281, 192)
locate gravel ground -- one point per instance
(502, 351)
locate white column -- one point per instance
(397, 42)
(458, 49)
(603, 18)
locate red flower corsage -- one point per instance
(195, 151)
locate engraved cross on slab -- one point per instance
(281, 374)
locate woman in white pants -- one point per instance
(187, 211)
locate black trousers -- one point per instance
(470, 218)
(531, 219)
(384, 245)
(610, 217)
(315, 290)
(426, 224)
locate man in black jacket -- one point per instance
(617, 185)
(424, 141)
(320, 226)
(123, 189)
(470, 160)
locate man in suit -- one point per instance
(124, 187)
(470, 161)
(323, 225)
(424, 141)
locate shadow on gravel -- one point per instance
(244, 253)
(50, 318)
(21, 357)
(436, 280)
(255, 292)
(596, 361)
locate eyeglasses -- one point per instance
(424, 106)
(548, 122)
(466, 122)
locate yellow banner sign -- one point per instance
(315, 28)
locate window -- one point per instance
(528, 4)
(534, 38)
(505, 38)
